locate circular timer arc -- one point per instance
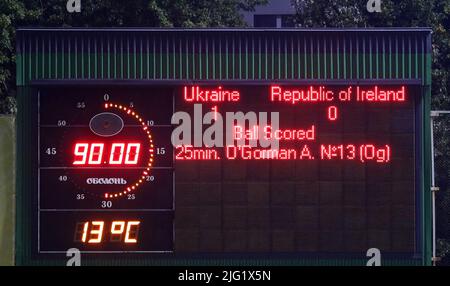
(132, 187)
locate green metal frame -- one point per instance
(164, 55)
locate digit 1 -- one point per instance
(79, 232)
(135, 232)
(96, 154)
(112, 157)
(80, 152)
(133, 153)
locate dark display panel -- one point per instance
(342, 181)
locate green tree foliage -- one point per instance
(106, 13)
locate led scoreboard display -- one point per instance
(198, 169)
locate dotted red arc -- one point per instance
(132, 187)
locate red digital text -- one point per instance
(362, 153)
(116, 154)
(219, 94)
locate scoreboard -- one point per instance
(198, 169)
